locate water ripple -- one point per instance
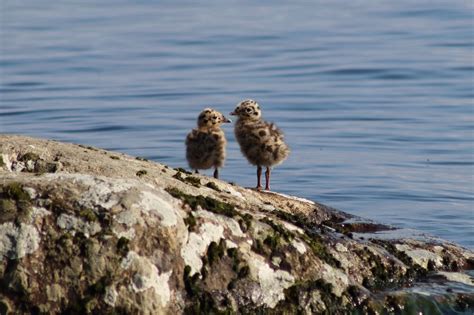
(379, 119)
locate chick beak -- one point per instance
(233, 113)
(227, 120)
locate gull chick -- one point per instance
(205, 146)
(261, 142)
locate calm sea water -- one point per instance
(375, 98)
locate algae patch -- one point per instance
(207, 203)
(213, 186)
(15, 203)
(141, 173)
(182, 170)
(196, 182)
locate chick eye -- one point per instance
(214, 117)
(248, 110)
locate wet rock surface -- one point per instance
(83, 230)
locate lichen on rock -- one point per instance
(18, 241)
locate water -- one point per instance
(375, 98)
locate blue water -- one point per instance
(375, 98)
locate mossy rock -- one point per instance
(141, 173)
(207, 203)
(16, 192)
(182, 170)
(213, 186)
(196, 182)
(190, 221)
(45, 167)
(29, 156)
(88, 214)
(8, 210)
(123, 246)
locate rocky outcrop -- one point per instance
(83, 230)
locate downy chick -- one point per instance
(261, 142)
(205, 146)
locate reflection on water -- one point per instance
(375, 100)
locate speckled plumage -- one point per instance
(205, 146)
(261, 142)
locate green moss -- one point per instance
(15, 195)
(275, 241)
(114, 157)
(190, 221)
(297, 219)
(42, 167)
(215, 252)
(178, 176)
(245, 222)
(200, 300)
(16, 192)
(207, 203)
(414, 272)
(123, 246)
(258, 247)
(319, 248)
(88, 147)
(190, 282)
(241, 269)
(90, 304)
(314, 240)
(285, 233)
(141, 159)
(88, 215)
(29, 156)
(383, 276)
(141, 173)
(196, 182)
(233, 254)
(243, 272)
(213, 186)
(193, 181)
(182, 170)
(205, 304)
(292, 305)
(8, 210)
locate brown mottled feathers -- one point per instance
(205, 149)
(205, 145)
(262, 143)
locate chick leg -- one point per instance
(267, 179)
(216, 173)
(259, 176)
(196, 172)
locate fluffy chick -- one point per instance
(205, 146)
(261, 142)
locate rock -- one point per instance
(84, 230)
